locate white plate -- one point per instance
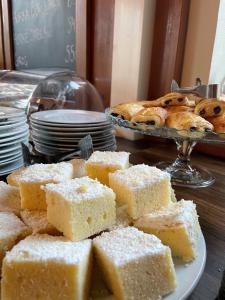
(69, 125)
(10, 159)
(14, 138)
(69, 129)
(55, 139)
(53, 151)
(9, 153)
(9, 148)
(10, 112)
(10, 167)
(12, 121)
(70, 134)
(188, 275)
(14, 131)
(16, 142)
(70, 147)
(69, 116)
(12, 126)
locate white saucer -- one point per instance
(4, 122)
(70, 134)
(69, 116)
(10, 159)
(13, 132)
(10, 112)
(69, 129)
(12, 126)
(10, 153)
(14, 138)
(10, 167)
(9, 148)
(23, 139)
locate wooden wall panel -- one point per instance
(101, 46)
(168, 45)
(82, 38)
(2, 65)
(7, 34)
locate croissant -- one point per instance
(218, 123)
(151, 116)
(126, 110)
(168, 100)
(188, 121)
(175, 109)
(210, 108)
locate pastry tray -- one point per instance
(170, 133)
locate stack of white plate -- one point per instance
(13, 131)
(59, 131)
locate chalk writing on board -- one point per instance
(21, 61)
(71, 23)
(44, 33)
(36, 10)
(70, 54)
(32, 35)
(70, 3)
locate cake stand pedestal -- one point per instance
(182, 172)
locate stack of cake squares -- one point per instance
(67, 218)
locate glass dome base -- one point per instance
(181, 175)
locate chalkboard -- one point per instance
(44, 33)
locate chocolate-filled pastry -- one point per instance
(169, 100)
(175, 109)
(188, 121)
(126, 110)
(151, 116)
(218, 123)
(210, 108)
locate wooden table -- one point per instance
(210, 203)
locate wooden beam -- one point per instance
(168, 45)
(2, 59)
(101, 47)
(7, 34)
(82, 36)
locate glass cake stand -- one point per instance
(182, 172)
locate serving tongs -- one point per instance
(85, 146)
(200, 90)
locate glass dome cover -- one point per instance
(65, 90)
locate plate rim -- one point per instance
(35, 116)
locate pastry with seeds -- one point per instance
(174, 109)
(188, 121)
(218, 123)
(169, 100)
(126, 110)
(151, 116)
(210, 108)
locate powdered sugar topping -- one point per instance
(43, 247)
(126, 244)
(139, 175)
